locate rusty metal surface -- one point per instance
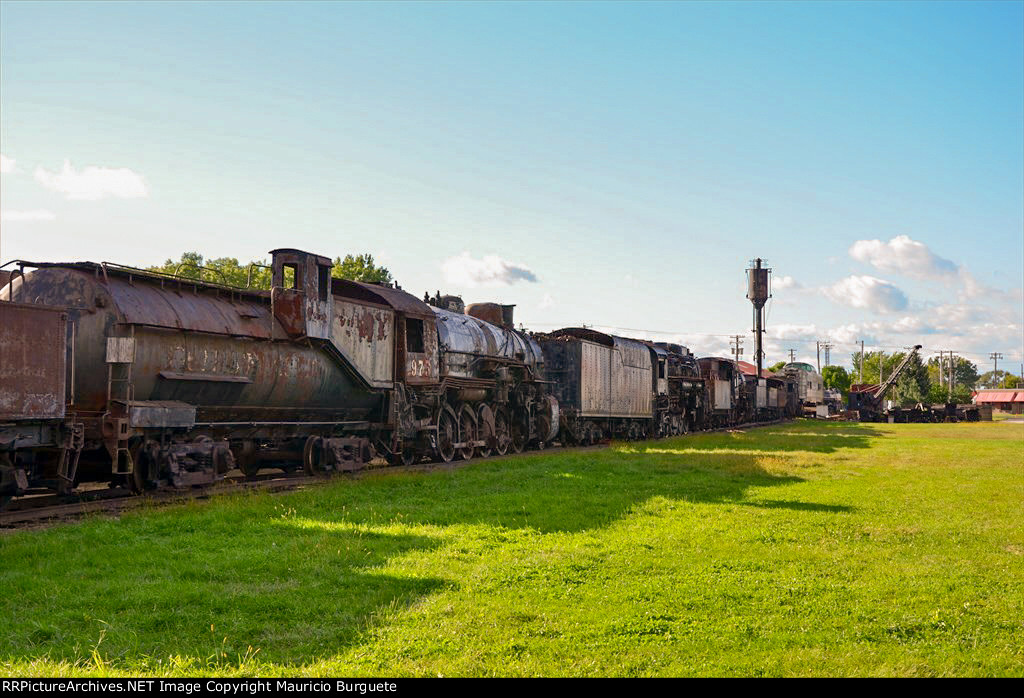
(365, 335)
(33, 356)
(149, 299)
(302, 303)
(289, 311)
(488, 312)
(214, 370)
(161, 413)
(394, 298)
(205, 311)
(198, 337)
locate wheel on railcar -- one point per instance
(543, 428)
(406, 454)
(519, 434)
(447, 430)
(486, 431)
(502, 431)
(247, 459)
(312, 456)
(145, 462)
(467, 431)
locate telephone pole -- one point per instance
(860, 374)
(952, 375)
(995, 356)
(792, 355)
(818, 349)
(737, 350)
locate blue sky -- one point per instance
(601, 163)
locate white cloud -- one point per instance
(903, 255)
(36, 215)
(785, 282)
(492, 270)
(547, 301)
(867, 292)
(6, 164)
(93, 183)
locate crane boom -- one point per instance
(891, 380)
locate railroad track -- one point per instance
(51, 509)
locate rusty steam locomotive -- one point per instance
(110, 373)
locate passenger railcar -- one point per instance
(810, 388)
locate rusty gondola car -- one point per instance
(160, 379)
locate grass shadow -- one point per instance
(309, 574)
(799, 506)
(203, 584)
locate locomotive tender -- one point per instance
(115, 374)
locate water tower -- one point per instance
(758, 291)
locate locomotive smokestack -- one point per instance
(758, 291)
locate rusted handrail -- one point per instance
(248, 278)
(201, 268)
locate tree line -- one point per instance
(920, 381)
(256, 273)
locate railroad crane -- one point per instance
(867, 400)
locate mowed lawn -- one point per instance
(808, 549)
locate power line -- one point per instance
(995, 356)
(792, 340)
(737, 350)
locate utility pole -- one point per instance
(881, 367)
(952, 376)
(792, 355)
(860, 374)
(942, 355)
(995, 356)
(737, 350)
(817, 345)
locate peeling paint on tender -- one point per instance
(33, 355)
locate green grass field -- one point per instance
(808, 549)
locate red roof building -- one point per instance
(1004, 400)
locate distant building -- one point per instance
(1011, 401)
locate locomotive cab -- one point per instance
(301, 293)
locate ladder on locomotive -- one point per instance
(120, 359)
